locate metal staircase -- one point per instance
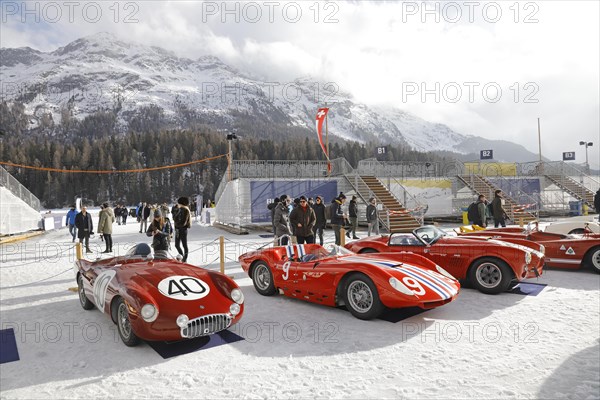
(481, 185)
(573, 187)
(395, 217)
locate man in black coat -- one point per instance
(338, 218)
(597, 201)
(319, 209)
(85, 227)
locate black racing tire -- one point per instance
(490, 275)
(262, 278)
(361, 297)
(86, 304)
(578, 231)
(367, 250)
(124, 327)
(592, 259)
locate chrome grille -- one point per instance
(206, 325)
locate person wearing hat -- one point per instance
(303, 220)
(107, 218)
(183, 222)
(337, 216)
(353, 214)
(156, 231)
(70, 222)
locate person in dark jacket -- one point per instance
(372, 217)
(321, 221)
(271, 208)
(183, 222)
(70, 222)
(282, 220)
(143, 215)
(498, 209)
(337, 216)
(124, 214)
(597, 201)
(353, 215)
(85, 227)
(156, 231)
(303, 220)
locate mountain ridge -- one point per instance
(103, 72)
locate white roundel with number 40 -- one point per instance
(181, 287)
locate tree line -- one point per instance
(94, 144)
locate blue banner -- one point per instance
(263, 192)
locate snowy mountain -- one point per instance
(102, 72)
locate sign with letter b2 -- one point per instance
(486, 154)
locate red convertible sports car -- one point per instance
(562, 251)
(491, 266)
(365, 284)
(157, 297)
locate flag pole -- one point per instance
(327, 142)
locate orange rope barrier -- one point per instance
(123, 171)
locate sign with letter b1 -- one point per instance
(569, 156)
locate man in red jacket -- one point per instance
(303, 220)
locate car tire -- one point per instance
(262, 278)
(361, 297)
(367, 250)
(490, 275)
(124, 327)
(592, 259)
(86, 304)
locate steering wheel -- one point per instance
(425, 237)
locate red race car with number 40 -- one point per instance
(158, 297)
(365, 284)
(492, 266)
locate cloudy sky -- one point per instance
(483, 68)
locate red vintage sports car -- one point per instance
(365, 284)
(562, 251)
(491, 266)
(157, 297)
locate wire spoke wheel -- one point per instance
(360, 296)
(123, 321)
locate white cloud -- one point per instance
(376, 48)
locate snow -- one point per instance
(505, 346)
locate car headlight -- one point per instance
(542, 249)
(527, 257)
(237, 296)
(399, 286)
(182, 321)
(234, 309)
(149, 312)
(444, 272)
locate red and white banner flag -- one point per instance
(321, 114)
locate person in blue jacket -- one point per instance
(70, 222)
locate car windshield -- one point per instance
(428, 234)
(144, 250)
(321, 252)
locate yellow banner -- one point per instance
(491, 169)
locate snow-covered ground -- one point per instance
(504, 346)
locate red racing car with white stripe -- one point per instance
(562, 251)
(491, 266)
(365, 284)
